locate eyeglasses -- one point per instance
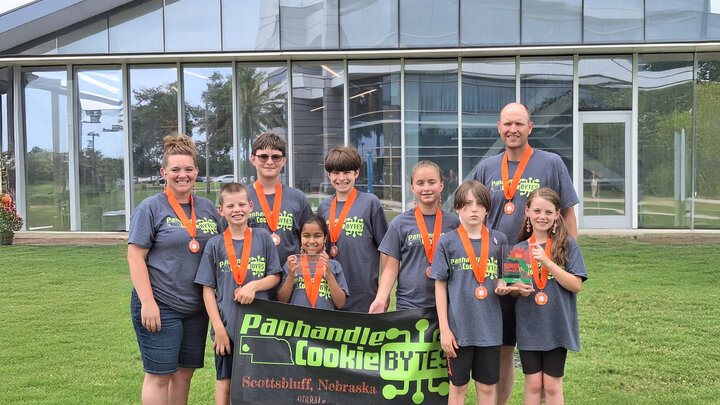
(275, 158)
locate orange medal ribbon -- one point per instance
(239, 272)
(479, 269)
(540, 279)
(312, 285)
(189, 224)
(273, 216)
(336, 225)
(510, 188)
(429, 247)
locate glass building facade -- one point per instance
(623, 91)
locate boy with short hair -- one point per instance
(276, 207)
(237, 266)
(357, 225)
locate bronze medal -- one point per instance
(194, 246)
(427, 271)
(334, 250)
(541, 298)
(275, 238)
(481, 292)
(509, 208)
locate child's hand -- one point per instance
(221, 345)
(524, 289)
(538, 253)
(246, 293)
(378, 306)
(502, 288)
(448, 343)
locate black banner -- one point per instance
(287, 354)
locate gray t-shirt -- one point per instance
(555, 324)
(404, 242)
(544, 169)
(364, 228)
(474, 322)
(293, 209)
(171, 265)
(324, 299)
(215, 271)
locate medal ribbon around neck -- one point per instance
(540, 279)
(336, 225)
(479, 269)
(510, 188)
(239, 272)
(189, 224)
(273, 216)
(312, 285)
(429, 247)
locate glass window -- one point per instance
(317, 123)
(263, 107)
(374, 115)
(551, 22)
(153, 114)
(608, 21)
(309, 24)
(665, 104)
(46, 150)
(427, 23)
(368, 24)
(250, 25)
(707, 143)
(138, 28)
(101, 149)
(489, 22)
(675, 20)
(46, 48)
(546, 88)
(7, 138)
(192, 25)
(91, 38)
(431, 116)
(605, 83)
(487, 86)
(207, 92)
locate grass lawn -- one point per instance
(649, 320)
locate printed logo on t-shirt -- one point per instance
(525, 186)
(285, 220)
(463, 264)
(415, 239)
(353, 227)
(324, 287)
(256, 265)
(204, 224)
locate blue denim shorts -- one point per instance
(224, 364)
(180, 342)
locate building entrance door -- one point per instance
(605, 200)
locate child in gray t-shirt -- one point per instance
(466, 269)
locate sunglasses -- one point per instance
(275, 158)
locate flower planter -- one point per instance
(6, 238)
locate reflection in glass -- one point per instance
(551, 22)
(46, 48)
(488, 84)
(91, 38)
(489, 22)
(46, 150)
(604, 169)
(192, 25)
(431, 116)
(665, 103)
(317, 123)
(374, 116)
(608, 21)
(368, 24)
(207, 91)
(546, 89)
(428, 23)
(672, 20)
(309, 24)
(250, 25)
(101, 150)
(707, 142)
(137, 29)
(605, 83)
(153, 114)
(7, 138)
(262, 103)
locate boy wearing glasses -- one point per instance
(276, 207)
